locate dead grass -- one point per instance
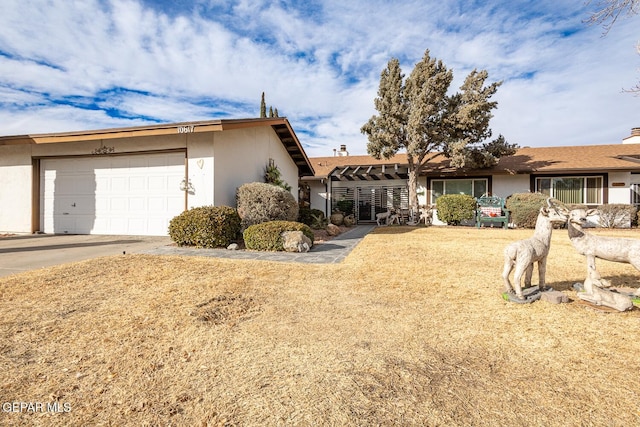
(409, 330)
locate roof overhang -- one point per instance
(280, 125)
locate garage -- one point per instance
(123, 194)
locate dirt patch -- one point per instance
(226, 309)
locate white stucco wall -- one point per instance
(506, 185)
(200, 169)
(15, 196)
(241, 156)
(318, 195)
(619, 194)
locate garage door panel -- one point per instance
(137, 205)
(134, 195)
(157, 183)
(119, 184)
(157, 204)
(138, 183)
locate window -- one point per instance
(472, 187)
(572, 189)
(635, 195)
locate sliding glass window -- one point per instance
(572, 189)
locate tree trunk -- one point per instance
(413, 190)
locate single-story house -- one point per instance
(132, 181)
(590, 174)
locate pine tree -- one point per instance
(418, 116)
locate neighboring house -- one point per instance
(590, 174)
(132, 181)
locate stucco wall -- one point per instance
(318, 195)
(506, 185)
(241, 156)
(200, 169)
(15, 196)
(619, 194)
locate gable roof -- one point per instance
(527, 160)
(280, 125)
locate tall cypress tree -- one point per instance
(263, 107)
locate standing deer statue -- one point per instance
(614, 249)
(521, 255)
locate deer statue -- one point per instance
(614, 249)
(384, 216)
(521, 255)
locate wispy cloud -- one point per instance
(94, 64)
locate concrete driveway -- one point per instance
(29, 252)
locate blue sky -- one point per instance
(88, 64)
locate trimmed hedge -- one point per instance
(266, 236)
(259, 202)
(205, 227)
(525, 208)
(454, 208)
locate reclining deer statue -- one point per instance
(608, 248)
(522, 254)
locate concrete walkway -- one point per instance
(333, 251)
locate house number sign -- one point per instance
(186, 129)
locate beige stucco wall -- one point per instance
(200, 169)
(15, 196)
(241, 156)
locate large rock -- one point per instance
(554, 297)
(295, 241)
(333, 230)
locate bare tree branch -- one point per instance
(608, 13)
(610, 10)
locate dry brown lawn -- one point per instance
(409, 330)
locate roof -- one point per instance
(541, 160)
(280, 125)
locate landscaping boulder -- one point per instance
(337, 218)
(349, 220)
(295, 241)
(554, 297)
(333, 230)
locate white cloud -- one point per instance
(319, 64)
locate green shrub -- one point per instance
(345, 206)
(307, 215)
(205, 227)
(260, 202)
(616, 215)
(454, 208)
(525, 208)
(266, 236)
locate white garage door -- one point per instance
(130, 195)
